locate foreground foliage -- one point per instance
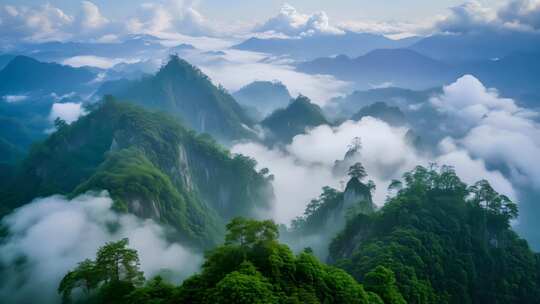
(251, 267)
(446, 243)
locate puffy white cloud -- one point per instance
(493, 128)
(292, 23)
(173, 16)
(473, 16)
(41, 23)
(522, 14)
(47, 22)
(49, 236)
(68, 111)
(470, 16)
(296, 182)
(303, 167)
(471, 170)
(468, 101)
(91, 17)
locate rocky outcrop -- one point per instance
(357, 198)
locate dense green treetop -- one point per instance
(300, 114)
(251, 267)
(446, 242)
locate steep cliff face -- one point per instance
(151, 166)
(182, 90)
(357, 198)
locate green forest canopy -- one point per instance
(436, 240)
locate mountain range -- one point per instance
(384, 67)
(25, 75)
(311, 47)
(263, 97)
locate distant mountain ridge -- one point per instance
(477, 46)
(263, 96)
(129, 46)
(311, 47)
(396, 67)
(23, 75)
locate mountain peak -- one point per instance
(299, 115)
(185, 91)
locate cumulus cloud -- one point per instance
(473, 16)
(521, 13)
(466, 17)
(292, 23)
(49, 236)
(303, 167)
(68, 111)
(47, 22)
(170, 17)
(492, 128)
(41, 23)
(296, 182)
(91, 17)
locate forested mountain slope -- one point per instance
(446, 243)
(185, 92)
(152, 167)
(288, 122)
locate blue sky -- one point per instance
(258, 10)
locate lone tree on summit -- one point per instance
(358, 171)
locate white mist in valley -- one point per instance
(49, 236)
(304, 166)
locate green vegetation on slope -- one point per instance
(286, 123)
(251, 267)
(187, 93)
(446, 243)
(151, 166)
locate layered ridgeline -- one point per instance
(24, 75)
(152, 167)
(380, 110)
(185, 92)
(300, 114)
(263, 97)
(28, 91)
